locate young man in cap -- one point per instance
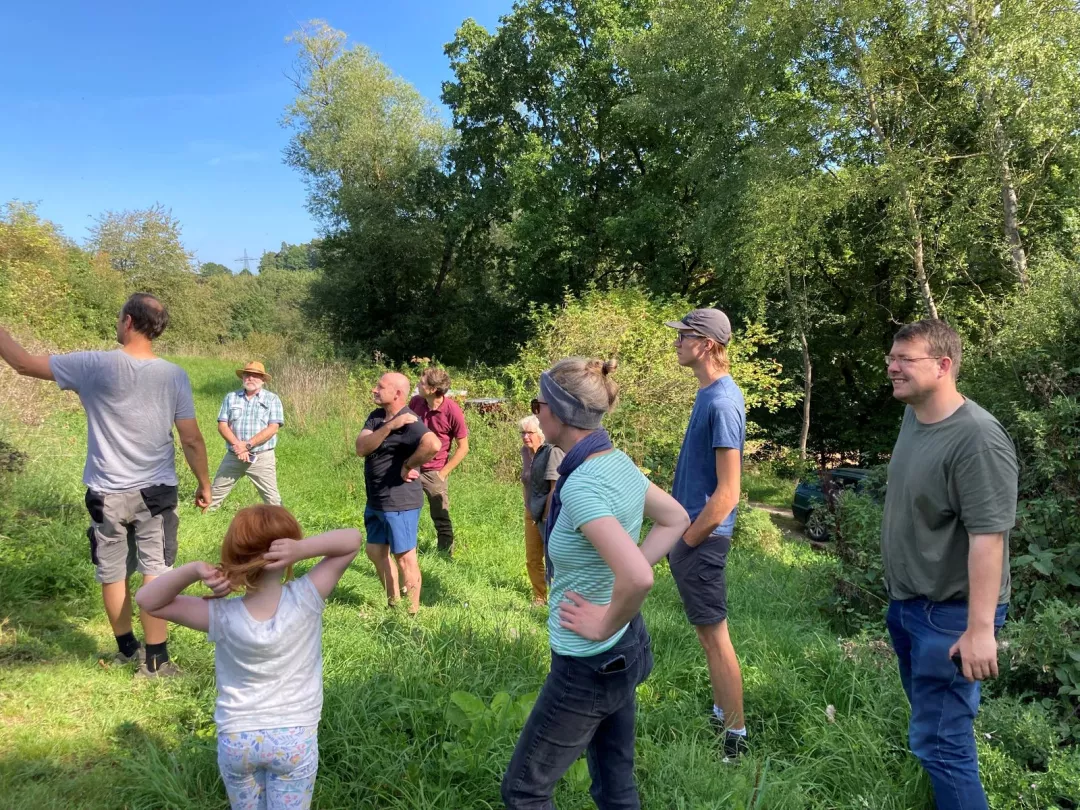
(443, 417)
(249, 421)
(949, 507)
(708, 485)
(133, 399)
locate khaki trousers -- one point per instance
(262, 472)
(534, 558)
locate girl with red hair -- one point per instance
(268, 649)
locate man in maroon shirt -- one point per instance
(443, 417)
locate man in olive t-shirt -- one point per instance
(949, 507)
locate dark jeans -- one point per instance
(587, 704)
(943, 704)
(438, 498)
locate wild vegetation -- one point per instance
(822, 171)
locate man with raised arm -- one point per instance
(708, 484)
(949, 506)
(394, 445)
(132, 399)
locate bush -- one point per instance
(656, 394)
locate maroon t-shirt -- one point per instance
(447, 422)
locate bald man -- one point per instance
(394, 444)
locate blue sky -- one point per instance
(179, 103)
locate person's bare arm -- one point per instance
(337, 548)
(425, 451)
(235, 444)
(161, 597)
(24, 363)
(724, 498)
(191, 440)
(264, 434)
(633, 581)
(978, 646)
(461, 449)
(369, 440)
(547, 501)
(670, 522)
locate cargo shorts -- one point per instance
(132, 531)
(700, 574)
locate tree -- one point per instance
(209, 269)
(294, 258)
(143, 245)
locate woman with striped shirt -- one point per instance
(598, 579)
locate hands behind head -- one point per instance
(213, 579)
(283, 553)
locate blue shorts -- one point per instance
(395, 529)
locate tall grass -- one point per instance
(78, 734)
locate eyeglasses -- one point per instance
(534, 406)
(525, 433)
(903, 361)
(683, 335)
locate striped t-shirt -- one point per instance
(608, 485)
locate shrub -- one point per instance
(656, 393)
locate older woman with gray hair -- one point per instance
(539, 472)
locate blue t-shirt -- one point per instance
(717, 420)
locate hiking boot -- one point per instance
(137, 657)
(735, 745)
(167, 670)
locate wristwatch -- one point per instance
(248, 446)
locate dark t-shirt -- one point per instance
(947, 480)
(544, 470)
(386, 491)
(447, 422)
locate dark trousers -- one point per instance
(438, 498)
(587, 704)
(941, 732)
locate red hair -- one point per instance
(249, 537)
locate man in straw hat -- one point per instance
(249, 421)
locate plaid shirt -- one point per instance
(249, 417)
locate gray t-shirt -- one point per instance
(946, 480)
(545, 469)
(131, 406)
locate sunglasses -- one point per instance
(534, 406)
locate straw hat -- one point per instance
(254, 367)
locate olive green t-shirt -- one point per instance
(946, 480)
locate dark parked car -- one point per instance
(809, 494)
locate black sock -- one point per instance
(156, 655)
(127, 644)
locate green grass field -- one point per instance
(76, 733)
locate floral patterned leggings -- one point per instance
(271, 769)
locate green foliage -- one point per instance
(483, 728)
(210, 269)
(49, 287)
(655, 393)
(294, 258)
(79, 733)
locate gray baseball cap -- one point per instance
(710, 323)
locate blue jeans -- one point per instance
(587, 704)
(943, 704)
